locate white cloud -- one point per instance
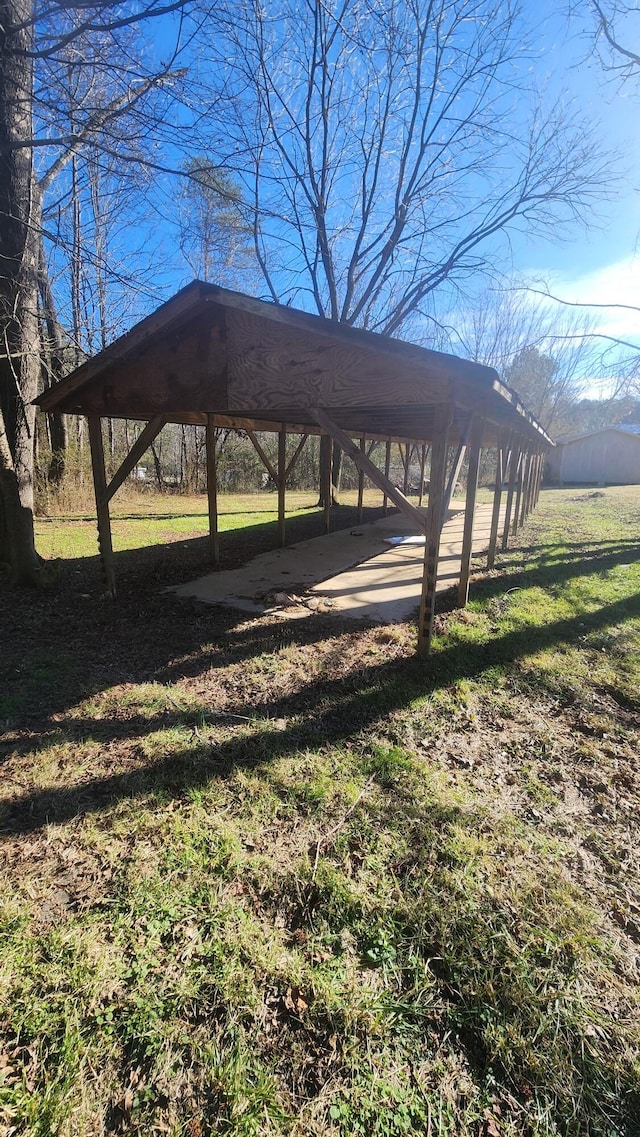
(612, 284)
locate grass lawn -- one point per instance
(162, 539)
(151, 518)
(270, 877)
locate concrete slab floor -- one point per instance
(351, 573)
(386, 588)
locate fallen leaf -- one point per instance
(294, 1001)
(490, 1125)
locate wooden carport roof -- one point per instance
(214, 357)
(209, 350)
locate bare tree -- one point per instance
(385, 145)
(29, 48)
(612, 32)
(547, 354)
(615, 31)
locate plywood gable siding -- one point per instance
(183, 371)
(276, 366)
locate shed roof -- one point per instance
(622, 427)
(212, 351)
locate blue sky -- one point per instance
(597, 264)
(600, 265)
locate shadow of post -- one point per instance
(329, 711)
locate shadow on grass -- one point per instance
(148, 638)
(322, 712)
(549, 556)
(175, 515)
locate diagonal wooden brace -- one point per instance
(140, 446)
(365, 464)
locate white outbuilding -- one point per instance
(609, 456)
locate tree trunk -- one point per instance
(158, 469)
(19, 240)
(17, 549)
(336, 475)
(53, 373)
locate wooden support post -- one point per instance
(435, 519)
(536, 480)
(387, 471)
(326, 451)
(102, 502)
(522, 489)
(540, 477)
(365, 464)
(495, 513)
(456, 466)
(423, 462)
(363, 447)
(407, 466)
(282, 483)
(536, 483)
(212, 489)
(522, 473)
(475, 443)
(514, 459)
(530, 485)
(525, 488)
(454, 473)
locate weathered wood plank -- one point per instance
(184, 372)
(476, 431)
(159, 323)
(102, 503)
(208, 350)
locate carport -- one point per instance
(221, 359)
